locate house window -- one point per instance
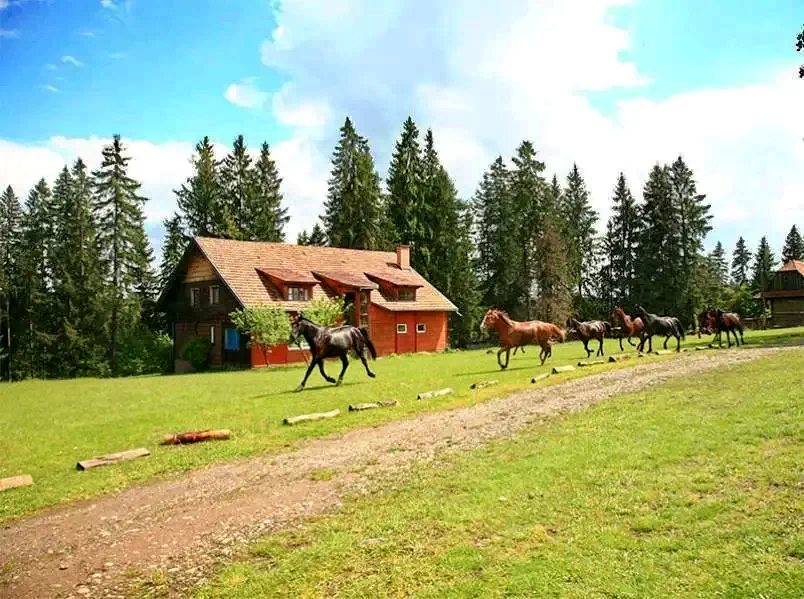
(406, 295)
(212, 334)
(231, 341)
(195, 297)
(421, 327)
(298, 294)
(402, 328)
(214, 294)
(364, 309)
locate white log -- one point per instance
(112, 458)
(23, 480)
(356, 407)
(540, 377)
(310, 417)
(560, 369)
(430, 394)
(483, 384)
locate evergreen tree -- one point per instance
(200, 198)
(741, 261)
(173, 248)
(622, 242)
(552, 272)
(10, 215)
(579, 231)
(352, 210)
(764, 266)
(462, 287)
(123, 244)
(302, 238)
(317, 236)
(609, 283)
(793, 246)
(237, 182)
(266, 215)
(404, 182)
(719, 265)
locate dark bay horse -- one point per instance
(669, 326)
(592, 329)
(513, 333)
(631, 326)
(332, 342)
(717, 321)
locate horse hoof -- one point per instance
(338, 383)
(297, 389)
(372, 375)
(331, 380)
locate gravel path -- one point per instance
(183, 525)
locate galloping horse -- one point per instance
(331, 342)
(632, 326)
(513, 333)
(717, 321)
(669, 326)
(592, 329)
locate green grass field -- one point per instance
(692, 489)
(47, 426)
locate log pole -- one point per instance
(560, 369)
(356, 407)
(619, 357)
(430, 394)
(540, 377)
(195, 437)
(310, 417)
(584, 363)
(13, 482)
(112, 458)
(483, 384)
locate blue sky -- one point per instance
(612, 84)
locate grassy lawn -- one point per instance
(47, 426)
(693, 489)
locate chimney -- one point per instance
(403, 256)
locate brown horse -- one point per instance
(717, 321)
(513, 334)
(632, 326)
(592, 329)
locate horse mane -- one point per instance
(504, 315)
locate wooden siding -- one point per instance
(198, 269)
(787, 312)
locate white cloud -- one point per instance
(9, 33)
(246, 94)
(51, 88)
(3, 4)
(87, 34)
(300, 113)
(108, 4)
(117, 55)
(50, 67)
(71, 60)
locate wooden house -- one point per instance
(785, 294)
(402, 311)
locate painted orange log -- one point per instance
(195, 437)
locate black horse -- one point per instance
(669, 326)
(586, 331)
(332, 342)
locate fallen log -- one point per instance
(619, 357)
(560, 369)
(356, 407)
(310, 417)
(584, 363)
(663, 352)
(702, 347)
(112, 458)
(540, 377)
(23, 480)
(195, 437)
(483, 384)
(430, 394)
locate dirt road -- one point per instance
(183, 525)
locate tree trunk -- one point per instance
(195, 437)
(112, 458)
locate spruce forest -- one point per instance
(79, 280)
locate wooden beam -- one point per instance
(195, 437)
(560, 369)
(356, 407)
(619, 357)
(23, 480)
(430, 394)
(540, 377)
(310, 417)
(483, 384)
(584, 363)
(112, 458)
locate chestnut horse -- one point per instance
(632, 326)
(513, 333)
(717, 321)
(592, 329)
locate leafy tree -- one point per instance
(793, 246)
(123, 243)
(266, 215)
(172, 248)
(200, 198)
(740, 263)
(764, 265)
(237, 181)
(266, 326)
(579, 230)
(405, 182)
(622, 242)
(325, 312)
(10, 215)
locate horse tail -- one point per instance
(680, 328)
(369, 344)
(607, 326)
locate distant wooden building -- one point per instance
(402, 311)
(785, 295)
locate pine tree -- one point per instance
(764, 266)
(173, 248)
(741, 261)
(200, 198)
(10, 215)
(579, 231)
(317, 236)
(266, 215)
(237, 182)
(719, 264)
(302, 238)
(352, 210)
(622, 242)
(793, 246)
(462, 287)
(609, 284)
(404, 182)
(123, 244)
(552, 273)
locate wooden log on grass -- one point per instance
(584, 363)
(663, 352)
(483, 384)
(112, 458)
(619, 357)
(540, 377)
(560, 369)
(356, 407)
(702, 347)
(23, 480)
(430, 394)
(195, 437)
(310, 417)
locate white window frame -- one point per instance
(304, 290)
(401, 328)
(212, 334)
(421, 327)
(193, 291)
(412, 292)
(211, 299)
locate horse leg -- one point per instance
(600, 351)
(621, 343)
(365, 363)
(329, 379)
(507, 356)
(728, 338)
(307, 374)
(666, 339)
(345, 362)
(678, 343)
(586, 347)
(543, 354)
(499, 360)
